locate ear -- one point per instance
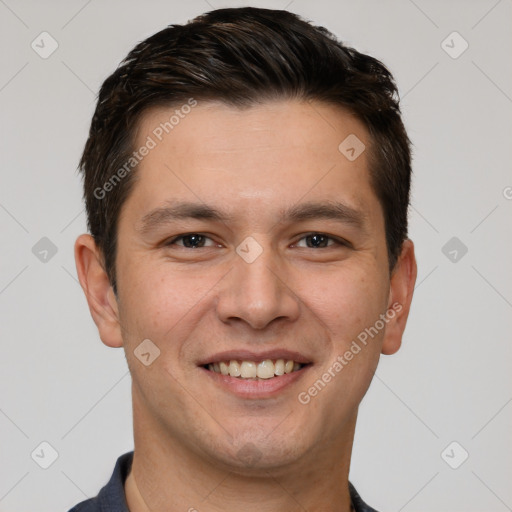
(401, 290)
(98, 291)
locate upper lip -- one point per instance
(249, 355)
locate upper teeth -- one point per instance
(250, 369)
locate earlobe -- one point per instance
(403, 280)
(98, 291)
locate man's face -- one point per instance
(258, 284)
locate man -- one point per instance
(247, 183)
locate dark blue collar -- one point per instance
(111, 498)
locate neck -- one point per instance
(167, 477)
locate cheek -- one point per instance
(347, 300)
(358, 296)
(159, 303)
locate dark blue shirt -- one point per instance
(111, 498)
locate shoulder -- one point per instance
(357, 501)
(87, 506)
(111, 497)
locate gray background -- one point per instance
(451, 379)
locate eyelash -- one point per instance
(337, 241)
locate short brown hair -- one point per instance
(242, 57)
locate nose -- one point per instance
(257, 293)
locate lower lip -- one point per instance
(256, 389)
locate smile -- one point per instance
(255, 370)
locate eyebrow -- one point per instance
(329, 210)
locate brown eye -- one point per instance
(191, 241)
(318, 241)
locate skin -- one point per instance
(191, 434)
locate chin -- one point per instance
(252, 452)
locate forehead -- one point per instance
(280, 125)
(257, 159)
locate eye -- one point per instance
(319, 241)
(311, 241)
(191, 241)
